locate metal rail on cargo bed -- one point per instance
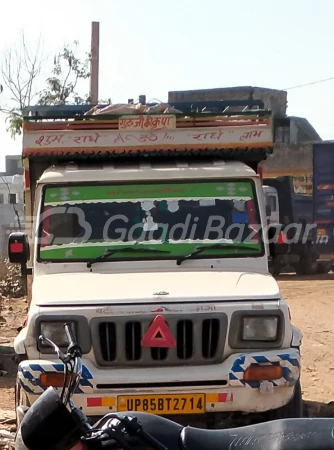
(231, 107)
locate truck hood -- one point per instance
(166, 287)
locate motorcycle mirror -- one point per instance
(49, 425)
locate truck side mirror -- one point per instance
(18, 248)
(268, 210)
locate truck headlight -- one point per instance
(56, 333)
(259, 328)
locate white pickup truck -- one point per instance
(147, 234)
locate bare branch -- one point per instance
(21, 71)
(10, 112)
(7, 76)
(62, 95)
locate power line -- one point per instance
(309, 84)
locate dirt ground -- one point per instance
(311, 301)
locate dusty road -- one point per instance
(311, 301)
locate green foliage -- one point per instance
(61, 86)
(15, 123)
(20, 73)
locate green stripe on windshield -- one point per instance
(156, 191)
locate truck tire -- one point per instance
(275, 269)
(299, 269)
(294, 409)
(324, 267)
(308, 264)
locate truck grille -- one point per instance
(199, 340)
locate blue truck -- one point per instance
(306, 219)
(323, 197)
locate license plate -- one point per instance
(163, 404)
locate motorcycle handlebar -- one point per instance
(69, 335)
(73, 347)
(55, 347)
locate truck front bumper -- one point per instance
(175, 390)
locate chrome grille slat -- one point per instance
(159, 354)
(107, 333)
(207, 331)
(185, 339)
(210, 331)
(107, 341)
(120, 349)
(200, 339)
(210, 337)
(132, 340)
(197, 334)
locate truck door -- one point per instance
(272, 206)
(323, 198)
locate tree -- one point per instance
(67, 72)
(21, 74)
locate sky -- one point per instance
(152, 47)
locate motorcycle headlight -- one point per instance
(260, 328)
(56, 333)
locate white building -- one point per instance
(11, 208)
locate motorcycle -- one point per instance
(54, 422)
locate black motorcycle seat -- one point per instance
(285, 434)
(164, 430)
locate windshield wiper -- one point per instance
(201, 249)
(110, 252)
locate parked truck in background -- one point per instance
(311, 208)
(298, 151)
(292, 214)
(323, 198)
(147, 234)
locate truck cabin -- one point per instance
(76, 158)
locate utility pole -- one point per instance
(94, 64)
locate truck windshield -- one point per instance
(81, 222)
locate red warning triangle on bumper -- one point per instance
(158, 335)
